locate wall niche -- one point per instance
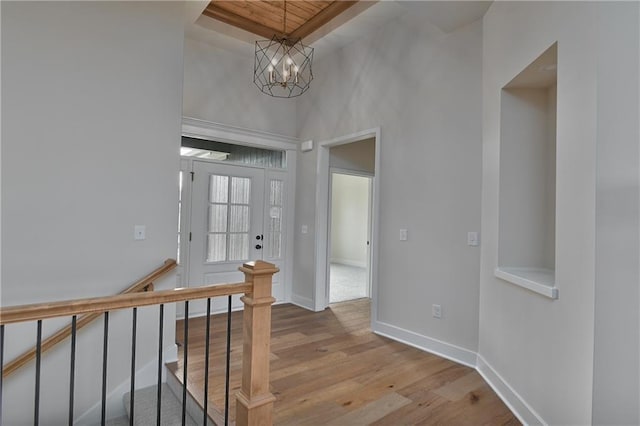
(527, 197)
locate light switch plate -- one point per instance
(304, 229)
(436, 311)
(404, 235)
(472, 239)
(139, 232)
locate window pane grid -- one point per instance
(274, 232)
(229, 218)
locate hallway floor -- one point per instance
(327, 368)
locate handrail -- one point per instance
(143, 284)
(99, 305)
(254, 401)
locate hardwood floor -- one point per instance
(327, 368)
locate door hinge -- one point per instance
(192, 174)
(189, 236)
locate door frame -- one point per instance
(322, 217)
(362, 174)
(202, 129)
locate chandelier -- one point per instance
(282, 66)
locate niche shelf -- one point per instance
(527, 196)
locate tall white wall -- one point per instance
(542, 349)
(349, 219)
(218, 87)
(616, 393)
(91, 104)
(423, 89)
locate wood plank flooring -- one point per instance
(327, 368)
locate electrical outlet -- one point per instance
(436, 311)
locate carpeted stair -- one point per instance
(145, 408)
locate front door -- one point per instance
(237, 215)
(226, 222)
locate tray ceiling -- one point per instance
(266, 18)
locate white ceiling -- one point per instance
(356, 22)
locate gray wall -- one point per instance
(544, 349)
(357, 156)
(91, 113)
(218, 87)
(615, 377)
(423, 89)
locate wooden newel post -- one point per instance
(254, 404)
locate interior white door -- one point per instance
(227, 219)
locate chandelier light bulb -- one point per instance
(276, 72)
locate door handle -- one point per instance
(258, 246)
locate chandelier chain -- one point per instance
(284, 25)
(282, 66)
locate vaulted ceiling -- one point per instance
(293, 19)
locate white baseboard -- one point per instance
(518, 406)
(170, 354)
(428, 344)
(303, 302)
(348, 262)
(509, 396)
(145, 377)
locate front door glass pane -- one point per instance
(217, 247)
(229, 218)
(274, 236)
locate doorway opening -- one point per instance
(356, 154)
(350, 236)
(236, 205)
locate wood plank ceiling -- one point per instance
(266, 18)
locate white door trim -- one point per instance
(202, 129)
(322, 217)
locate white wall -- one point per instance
(90, 147)
(349, 219)
(357, 156)
(616, 393)
(527, 178)
(423, 89)
(544, 349)
(218, 87)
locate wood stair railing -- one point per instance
(142, 285)
(254, 400)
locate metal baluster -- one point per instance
(104, 369)
(1, 366)
(185, 353)
(160, 335)
(36, 414)
(226, 391)
(206, 363)
(72, 368)
(133, 366)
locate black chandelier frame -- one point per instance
(275, 77)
